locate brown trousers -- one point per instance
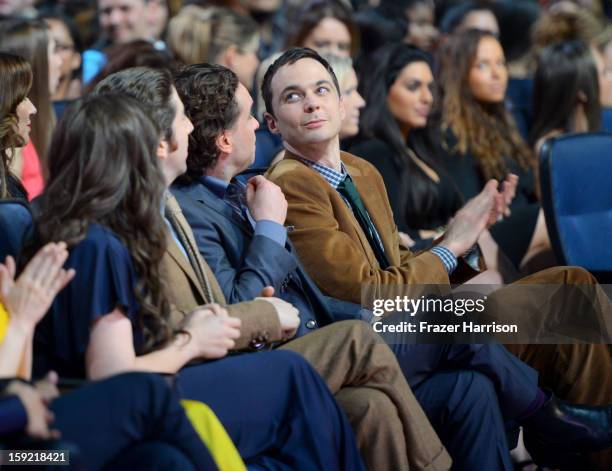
(392, 430)
(580, 373)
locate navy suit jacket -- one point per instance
(244, 263)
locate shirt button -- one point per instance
(311, 324)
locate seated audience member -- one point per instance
(34, 416)
(32, 41)
(105, 198)
(267, 145)
(419, 16)
(217, 36)
(121, 22)
(343, 229)
(137, 53)
(364, 374)
(467, 16)
(353, 101)
(327, 26)
(566, 94)
(376, 30)
(397, 139)
(481, 141)
(69, 46)
(16, 111)
(240, 252)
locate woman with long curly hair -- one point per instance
(482, 141)
(31, 40)
(105, 198)
(16, 111)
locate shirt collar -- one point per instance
(332, 177)
(216, 185)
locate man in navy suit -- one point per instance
(239, 230)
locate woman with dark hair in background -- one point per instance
(32, 41)
(105, 198)
(419, 16)
(327, 26)
(396, 138)
(482, 141)
(218, 36)
(16, 111)
(566, 95)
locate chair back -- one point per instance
(576, 181)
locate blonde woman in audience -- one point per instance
(31, 40)
(216, 35)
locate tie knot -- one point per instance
(235, 194)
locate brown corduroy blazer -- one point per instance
(331, 244)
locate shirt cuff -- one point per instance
(13, 416)
(447, 257)
(271, 230)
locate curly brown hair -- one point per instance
(103, 169)
(15, 83)
(487, 130)
(208, 92)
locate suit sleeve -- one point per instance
(260, 323)
(337, 261)
(242, 276)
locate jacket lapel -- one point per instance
(344, 214)
(207, 198)
(179, 258)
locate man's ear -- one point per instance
(342, 108)
(224, 142)
(271, 122)
(163, 150)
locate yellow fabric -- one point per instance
(213, 434)
(4, 321)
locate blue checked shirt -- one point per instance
(334, 178)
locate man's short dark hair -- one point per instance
(208, 92)
(151, 87)
(290, 57)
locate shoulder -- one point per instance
(370, 148)
(101, 246)
(357, 166)
(188, 191)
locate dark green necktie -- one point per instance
(347, 189)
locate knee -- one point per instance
(578, 275)
(474, 389)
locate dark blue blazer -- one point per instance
(244, 263)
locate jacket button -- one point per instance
(311, 324)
